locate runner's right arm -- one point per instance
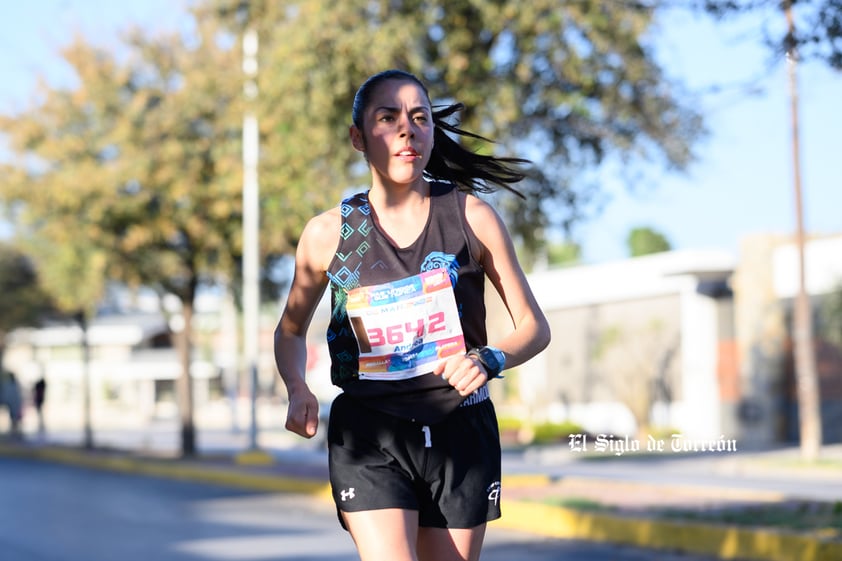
(312, 257)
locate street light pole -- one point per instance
(251, 221)
(86, 381)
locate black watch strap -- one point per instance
(488, 358)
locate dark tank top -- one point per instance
(396, 311)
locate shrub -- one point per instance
(546, 433)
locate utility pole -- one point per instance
(251, 222)
(809, 404)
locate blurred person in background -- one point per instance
(10, 395)
(39, 394)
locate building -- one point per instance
(696, 342)
(635, 343)
(132, 364)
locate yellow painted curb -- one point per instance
(725, 542)
(254, 458)
(521, 480)
(173, 469)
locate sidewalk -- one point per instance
(548, 491)
(681, 501)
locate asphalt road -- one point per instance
(51, 512)
(743, 470)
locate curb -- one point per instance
(171, 469)
(722, 541)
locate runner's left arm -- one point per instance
(530, 332)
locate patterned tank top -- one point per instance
(396, 312)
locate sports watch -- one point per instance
(491, 358)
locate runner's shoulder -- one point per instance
(320, 236)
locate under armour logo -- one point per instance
(494, 492)
(346, 494)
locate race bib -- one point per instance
(406, 327)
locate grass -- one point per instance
(794, 516)
(798, 516)
(585, 505)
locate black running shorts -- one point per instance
(449, 472)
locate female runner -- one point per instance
(414, 448)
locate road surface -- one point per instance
(51, 512)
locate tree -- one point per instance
(22, 302)
(636, 364)
(645, 241)
(564, 253)
(565, 84)
(73, 273)
(816, 33)
(182, 226)
(134, 174)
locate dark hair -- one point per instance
(450, 161)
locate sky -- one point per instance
(741, 184)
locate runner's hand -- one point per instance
(464, 373)
(303, 414)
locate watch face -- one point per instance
(491, 358)
(501, 358)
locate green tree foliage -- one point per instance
(817, 32)
(564, 253)
(562, 83)
(133, 174)
(552, 253)
(22, 302)
(645, 241)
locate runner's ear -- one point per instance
(357, 140)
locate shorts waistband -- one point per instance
(478, 396)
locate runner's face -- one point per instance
(397, 135)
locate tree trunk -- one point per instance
(185, 383)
